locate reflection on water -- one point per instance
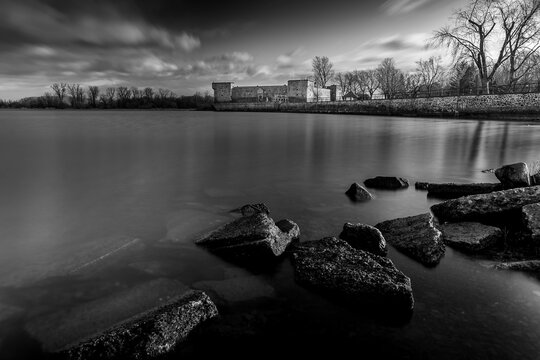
(79, 186)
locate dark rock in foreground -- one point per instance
(415, 236)
(532, 266)
(251, 209)
(364, 237)
(470, 236)
(514, 175)
(535, 179)
(451, 190)
(357, 192)
(387, 182)
(484, 206)
(531, 223)
(251, 238)
(149, 335)
(333, 266)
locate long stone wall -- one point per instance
(482, 106)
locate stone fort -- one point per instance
(295, 91)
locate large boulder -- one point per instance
(416, 237)
(387, 182)
(486, 206)
(333, 266)
(470, 236)
(357, 192)
(364, 237)
(531, 223)
(251, 238)
(514, 175)
(148, 335)
(451, 190)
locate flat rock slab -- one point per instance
(57, 330)
(484, 206)
(364, 237)
(451, 190)
(416, 237)
(237, 289)
(470, 236)
(513, 175)
(251, 237)
(532, 266)
(357, 192)
(333, 266)
(531, 223)
(387, 182)
(150, 334)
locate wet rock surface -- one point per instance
(531, 223)
(150, 334)
(451, 190)
(357, 192)
(486, 206)
(251, 209)
(513, 175)
(470, 236)
(364, 237)
(416, 237)
(532, 266)
(250, 238)
(387, 182)
(334, 267)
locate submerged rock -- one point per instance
(532, 266)
(485, 206)
(251, 209)
(531, 223)
(421, 185)
(364, 237)
(72, 324)
(357, 192)
(251, 237)
(451, 190)
(333, 266)
(514, 175)
(470, 236)
(415, 236)
(387, 182)
(237, 289)
(148, 335)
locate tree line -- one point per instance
(495, 48)
(64, 95)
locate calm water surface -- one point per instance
(99, 211)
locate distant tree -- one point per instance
(123, 95)
(60, 91)
(342, 82)
(93, 94)
(431, 72)
(322, 70)
(110, 95)
(389, 77)
(412, 83)
(77, 95)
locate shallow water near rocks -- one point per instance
(98, 204)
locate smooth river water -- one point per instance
(99, 210)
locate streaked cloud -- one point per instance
(393, 7)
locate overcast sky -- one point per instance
(185, 45)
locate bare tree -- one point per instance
(77, 95)
(123, 94)
(369, 81)
(477, 37)
(412, 83)
(389, 78)
(431, 72)
(342, 82)
(60, 90)
(110, 94)
(93, 94)
(322, 70)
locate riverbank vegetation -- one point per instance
(494, 48)
(76, 96)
